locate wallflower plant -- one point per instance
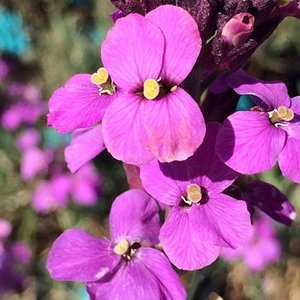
(143, 106)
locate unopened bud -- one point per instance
(238, 29)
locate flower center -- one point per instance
(154, 88)
(193, 194)
(151, 89)
(124, 249)
(102, 79)
(282, 113)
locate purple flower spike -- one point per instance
(125, 267)
(271, 201)
(202, 219)
(148, 58)
(252, 141)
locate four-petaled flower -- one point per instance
(252, 141)
(127, 267)
(202, 219)
(148, 58)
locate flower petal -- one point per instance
(133, 52)
(249, 143)
(158, 264)
(86, 144)
(134, 215)
(121, 129)
(77, 256)
(289, 160)
(271, 201)
(131, 281)
(165, 182)
(182, 38)
(173, 126)
(224, 221)
(77, 104)
(182, 242)
(274, 94)
(295, 106)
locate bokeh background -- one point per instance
(42, 44)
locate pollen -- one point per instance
(122, 247)
(100, 77)
(151, 89)
(285, 113)
(281, 114)
(194, 193)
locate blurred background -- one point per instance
(42, 44)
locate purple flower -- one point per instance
(34, 161)
(28, 138)
(54, 193)
(125, 267)
(25, 106)
(81, 102)
(201, 219)
(262, 248)
(148, 58)
(252, 141)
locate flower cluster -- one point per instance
(161, 65)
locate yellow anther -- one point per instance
(100, 77)
(173, 88)
(194, 193)
(151, 89)
(122, 247)
(285, 113)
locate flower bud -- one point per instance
(237, 30)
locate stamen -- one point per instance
(194, 193)
(100, 77)
(122, 247)
(281, 114)
(173, 88)
(285, 113)
(151, 89)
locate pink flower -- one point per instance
(148, 58)
(202, 219)
(80, 103)
(253, 141)
(125, 267)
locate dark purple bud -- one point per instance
(271, 201)
(238, 29)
